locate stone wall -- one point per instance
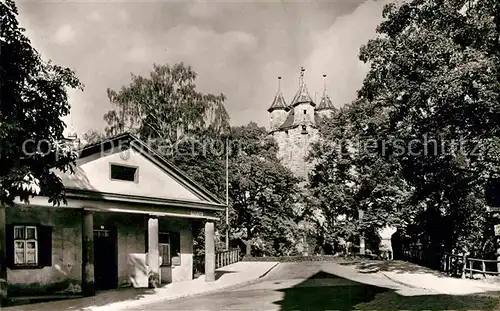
(277, 118)
(294, 147)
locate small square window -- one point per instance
(123, 172)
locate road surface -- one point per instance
(290, 286)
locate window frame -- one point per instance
(25, 241)
(136, 174)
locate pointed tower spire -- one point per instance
(302, 95)
(71, 129)
(301, 77)
(326, 102)
(279, 100)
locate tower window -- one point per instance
(123, 172)
(305, 111)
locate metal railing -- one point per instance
(225, 258)
(222, 259)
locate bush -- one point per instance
(308, 258)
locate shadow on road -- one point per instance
(325, 291)
(102, 298)
(395, 266)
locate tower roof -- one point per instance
(279, 100)
(326, 101)
(302, 95)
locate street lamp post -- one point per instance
(227, 194)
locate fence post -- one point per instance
(449, 263)
(484, 269)
(470, 269)
(464, 269)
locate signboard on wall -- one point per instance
(497, 230)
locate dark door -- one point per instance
(105, 259)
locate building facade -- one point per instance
(128, 221)
(294, 126)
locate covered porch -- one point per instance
(100, 241)
(128, 220)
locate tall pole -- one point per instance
(227, 194)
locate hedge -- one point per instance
(308, 258)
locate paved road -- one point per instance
(304, 286)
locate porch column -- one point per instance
(88, 254)
(3, 257)
(153, 253)
(209, 252)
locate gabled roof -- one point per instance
(80, 182)
(278, 102)
(325, 103)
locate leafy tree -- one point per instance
(166, 106)
(263, 193)
(429, 100)
(34, 98)
(93, 136)
(434, 78)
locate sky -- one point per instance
(238, 48)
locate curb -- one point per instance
(187, 295)
(402, 283)
(240, 284)
(270, 269)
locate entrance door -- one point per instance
(105, 259)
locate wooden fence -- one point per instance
(465, 267)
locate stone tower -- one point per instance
(294, 126)
(278, 109)
(325, 107)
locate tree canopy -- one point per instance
(192, 130)
(263, 193)
(34, 98)
(166, 106)
(425, 122)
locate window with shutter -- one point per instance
(25, 246)
(29, 246)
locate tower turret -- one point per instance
(303, 104)
(325, 107)
(71, 135)
(278, 110)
